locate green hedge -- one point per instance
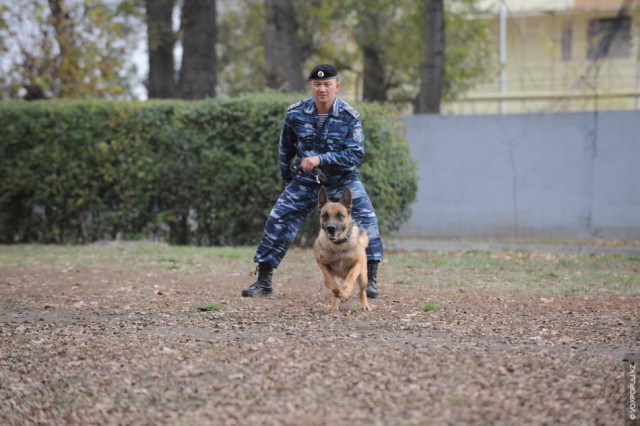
(202, 172)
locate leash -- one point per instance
(295, 166)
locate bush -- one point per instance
(202, 172)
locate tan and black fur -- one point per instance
(340, 249)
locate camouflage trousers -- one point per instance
(296, 203)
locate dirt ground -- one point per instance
(110, 344)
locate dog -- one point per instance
(340, 249)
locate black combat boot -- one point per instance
(262, 287)
(372, 273)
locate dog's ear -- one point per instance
(322, 197)
(346, 199)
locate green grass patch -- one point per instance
(515, 271)
(501, 271)
(430, 307)
(210, 308)
(128, 255)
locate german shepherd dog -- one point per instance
(340, 249)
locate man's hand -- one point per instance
(310, 163)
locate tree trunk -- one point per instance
(69, 65)
(374, 83)
(282, 49)
(161, 40)
(428, 101)
(198, 71)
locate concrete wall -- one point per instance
(570, 175)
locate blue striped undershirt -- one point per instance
(322, 118)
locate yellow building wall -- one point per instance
(538, 79)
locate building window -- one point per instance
(567, 33)
(609, 38)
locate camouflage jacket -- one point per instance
(339, 142)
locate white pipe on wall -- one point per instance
(503, 54)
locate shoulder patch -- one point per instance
(294, 106)
(351, 111)
(358, 135)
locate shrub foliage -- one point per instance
(199, 172)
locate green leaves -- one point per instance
(73, 49)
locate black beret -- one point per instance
(323, 72)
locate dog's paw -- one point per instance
(366, 307)
(335, 304)
(345, 293)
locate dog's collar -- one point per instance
(345, 238)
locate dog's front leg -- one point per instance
(350, 280)
(331, 283)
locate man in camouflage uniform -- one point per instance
(325, 134)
